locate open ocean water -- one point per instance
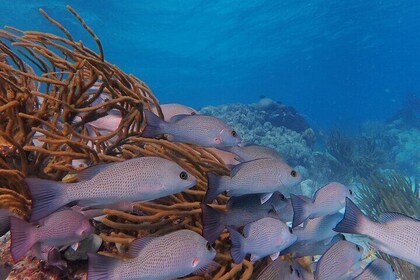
(333, 86)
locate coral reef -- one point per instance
(389, 191)
(42, 128)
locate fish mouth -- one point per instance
(192, 184)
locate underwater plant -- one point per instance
(49, 92)
(390, 191)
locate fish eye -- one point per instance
(208, 246)
(351, 192)
(393, 270)
(358, 248)
(291, 269)
(343, 238)
(183, 175)
(193, 113)
(91, 222)
(234, 134)
(293, 173)
(297, 273)
(290, 230)
(282, 197)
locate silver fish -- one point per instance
(61, 228)
(265, 237)
(318, 229)
(237, 215)
(173, 109)
(263, 176)
(377, 270)
(174, 255)
(201, 130)
(326, 201)
(340, 261)
(279, 269)
(139, 179)
(253, 151)
(395, 234)
(303, 248)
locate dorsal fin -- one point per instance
(91, 171)
(393, 216)
(177, 118)
(139, 244)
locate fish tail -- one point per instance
(47, 196)
(299, 210)
(22, 238)
(154, 125)
(101, 267)
(353, 220)
(215, 187)
(237, 251)
(213, 222)
(4, 221)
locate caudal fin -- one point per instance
(299, 210)
(353, 221)
(101, 267)
(47, 196)
(22, 238)
(213, 224)
(237, 251)
(215, 187)
(153, 125)
(4, 221)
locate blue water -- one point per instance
(339, 63)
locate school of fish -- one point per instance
(261, 221)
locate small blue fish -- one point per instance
(279, 269)
(64, 227)
(174, 255)
(377, 270)
(303, 249)
(395, 234)
(265, 237)
(340, 261)
(206, 131)
(326, 201)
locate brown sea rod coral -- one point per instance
(391, 192)
(51, 87)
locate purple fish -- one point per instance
(377, 270)
(263, 176)
(279, 270)
(318, 229)
(304, 248)
(265, 237)
(340, 261)
(205, 131)
(174, 109)
(396, 234)
(253, 151)
(61, 228)
(139, 179)
(174, 255)
(326, 201)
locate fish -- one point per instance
(304, 273)
(265, 237)
(340, 261)
(138, 179)
(215, 221)
(304, 248)
(173, 109)
(395, 234)
(249, 152)
(326, 201)
(64, 227)
(5, 269)
(279, 269)
(229, 159)
(377, 270)
(50, 254)
(4, 221)
(173, 255)
(205, 131)
(318, 229)
(263, 176)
